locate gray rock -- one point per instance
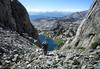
(98, 66)
(49, 62)
(7, 61)
(15, 57)
(29, 65)
(83, 67)
(76, 62)
(98, 47)
(14, 50)
(89, 30)
(14, 16)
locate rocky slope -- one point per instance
(17, 52)
(80, 57)
(14, 49)
(15, 17)
(14, 21)
(69, 59)
(89, 30)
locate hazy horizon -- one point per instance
(56, 5)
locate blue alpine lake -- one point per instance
(51, 43)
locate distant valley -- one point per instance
(56, 40)
(38, 15)
(50, 19)
(59, 27)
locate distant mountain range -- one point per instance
(38, 15)
(64, 21)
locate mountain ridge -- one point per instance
(37, 15)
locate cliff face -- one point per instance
(15, 17)
(89, 30)
(6, 18)
(13, 47)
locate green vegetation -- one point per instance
(95, 44)
(59, 41)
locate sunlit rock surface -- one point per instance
(89, 30)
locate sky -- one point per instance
(56, 5)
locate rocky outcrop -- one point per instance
(6, 17)
(14, 49)
(15, 17)
(89, 30)
(17, 52)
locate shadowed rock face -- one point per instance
(89, 30)
(6, 18)
(15, 17)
